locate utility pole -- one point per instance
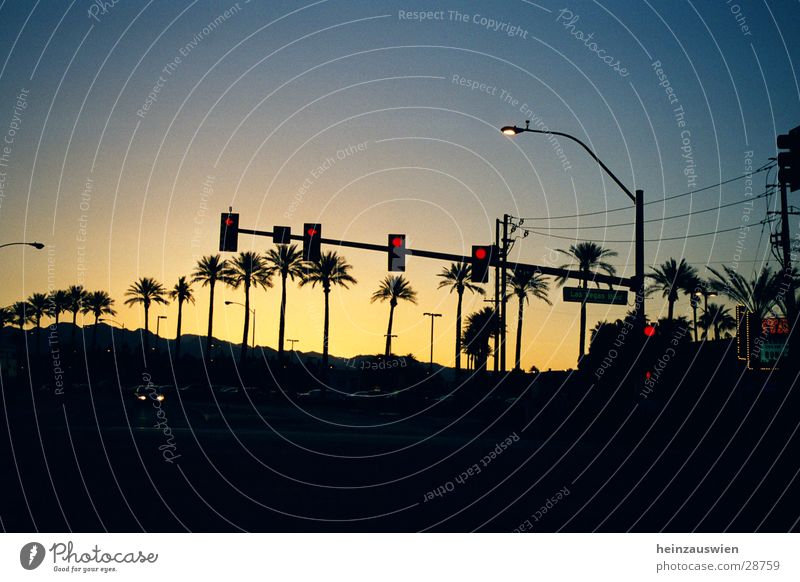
(503, 283)
(497, 295)
(433, 317)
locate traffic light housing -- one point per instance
(789, 162)
(229, 231)
(397, 252)
(481, 261)
(312, 233)
(281, 235)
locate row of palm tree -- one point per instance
(253, 270)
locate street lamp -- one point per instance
(36, 245)
(694, 301)
(292, 341)
(158, 326)
(253, 311)
(705, 293)
(433, 317)
(638, 201)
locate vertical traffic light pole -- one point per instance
(497, 296)
(503, 293)
(638, 279)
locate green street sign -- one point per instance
(606, 296)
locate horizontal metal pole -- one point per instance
(552, 271)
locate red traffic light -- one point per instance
(311, 231)
(649, 330)
(397, 241)
(647, 375)
(229, 221)
(480, 253)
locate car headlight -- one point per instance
(160, 397)
(142, 397)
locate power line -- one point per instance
(684, 215)
(768, 166)
(647, 239)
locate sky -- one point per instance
(129, 126)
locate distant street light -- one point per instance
(253, 311)
(433, 317)
(705, 293)
(158, 326)
(36, 245)
(292, 341)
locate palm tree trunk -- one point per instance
(282, 323)
(178, 335)
(243, 352)
(94, 332)
(458, 330)
(210, 319)
(146, 330)
(389, 330)
(38, 335)
(670, 308)
(519, 333)
(74, 327)
(325, 333)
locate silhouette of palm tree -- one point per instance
(670, 278)
(719, 317)
(248, 269)
(286, 260)
(20, 314)
(758, 295)
(210, 270)
(458, 278)
(98, 303)
(590, 258)
(145, 292)
(393, 288)
(76, 295)
(480, 327)
(525, 283)
(59, 303)
(182, 291)
(331, 269)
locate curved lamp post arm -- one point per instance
(513, 130)
(36, 245)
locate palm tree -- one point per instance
(526, 283)
(98, 303)
(76, 295)
(39, 306)
(248, 269)
(287, 261)
(670, 278)
(145, 292)
(59, 303)
(331, 269)
(20, 314)
(182, 291)
(719, 317)
(480, 327)
(758, 295)
(394, 288)
(590, 258)
(458, 277)
(6, 317)
(210, 270)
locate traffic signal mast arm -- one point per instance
(553, 271)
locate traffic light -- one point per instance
(281, 235)
(789, 162)
(228, 231)
(481, 260)
(397, 252)
(650, 330)
(311, 241)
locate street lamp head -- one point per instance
(229, 303)
(510, 130)
(37, 245)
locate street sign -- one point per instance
(605, 296)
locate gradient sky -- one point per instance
(259, 101)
